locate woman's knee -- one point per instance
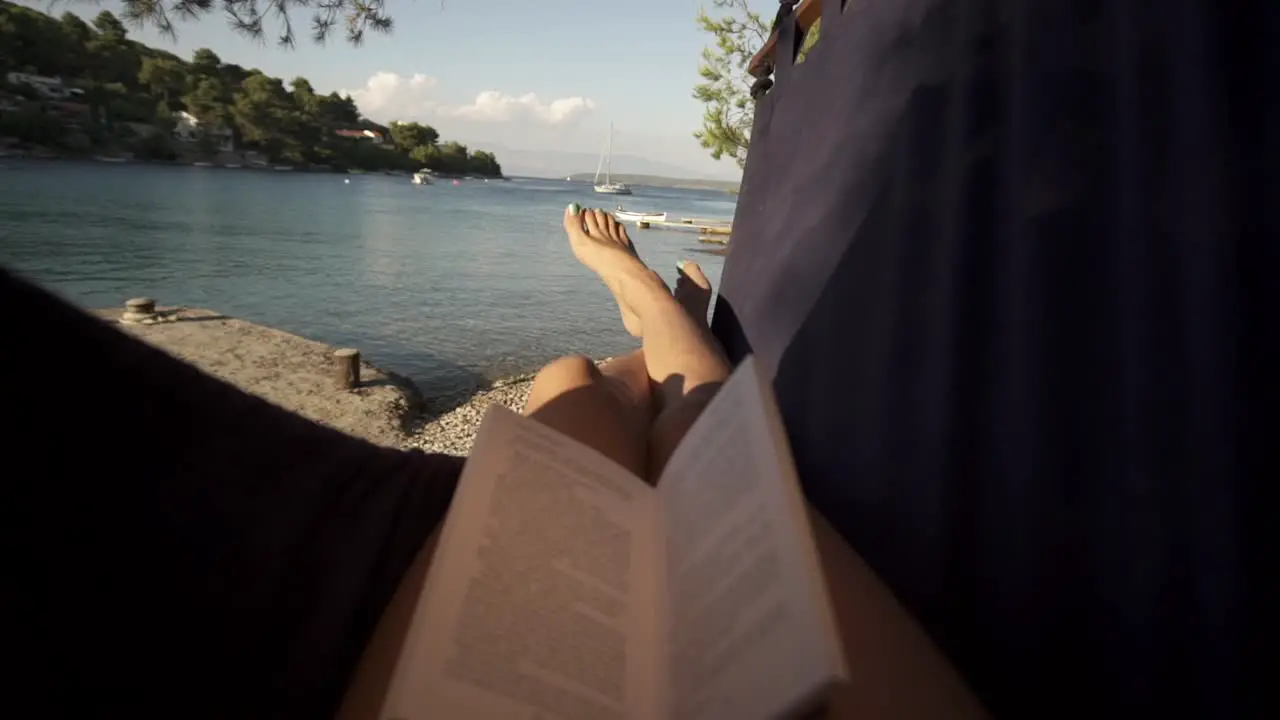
(572, 396)
(560, 376)
(568, 368)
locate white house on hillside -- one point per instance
(50, 88)
(188, 128)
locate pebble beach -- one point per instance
(453, 431)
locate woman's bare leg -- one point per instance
(677, 411)
(681, 357)
(609, 407)
(606, 408)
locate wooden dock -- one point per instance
(703, 226)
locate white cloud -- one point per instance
(495, 106)
(391, 96)
(388, 96)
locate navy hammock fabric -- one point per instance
(1013, 267)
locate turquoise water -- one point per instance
(449, 285)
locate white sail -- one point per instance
(606, 163)
(608, 150)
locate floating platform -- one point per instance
(704, 226)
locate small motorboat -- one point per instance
(422, 177)
(624, 215)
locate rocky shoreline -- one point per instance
(298, 375)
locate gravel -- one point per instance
(454, 431)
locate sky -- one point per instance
(541, 75)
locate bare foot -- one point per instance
(601, 243)
(693, 290)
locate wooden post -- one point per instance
(347, 365)
(642, 224)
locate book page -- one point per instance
(751, 631)
(540, 602)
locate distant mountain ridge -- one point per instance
(561, 164)
(684, 183)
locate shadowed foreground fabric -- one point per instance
(174, 547)
(1013, 268)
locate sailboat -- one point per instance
(606, 159)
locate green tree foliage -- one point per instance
(304, 96)
(208, 98)
(410, 135)
(113, 59)
(109, 27)
(810, 39)
(29, 41)
(427, 156)
(260, 19)
(725, 89)
(126, 81)
(205, 62)
(484, 163)
(163, 77)
(75, 36)
(74, 29)
(263, 111)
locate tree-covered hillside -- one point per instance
(123, 83)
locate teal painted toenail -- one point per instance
(574, 208)
(680, 264)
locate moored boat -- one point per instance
(624, 215)
(608, 187)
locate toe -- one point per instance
(573, 218)
(620, 234)
(611, 226)
(595, 223)
(691, 270)
(604, 218)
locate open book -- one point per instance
(565, 587)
